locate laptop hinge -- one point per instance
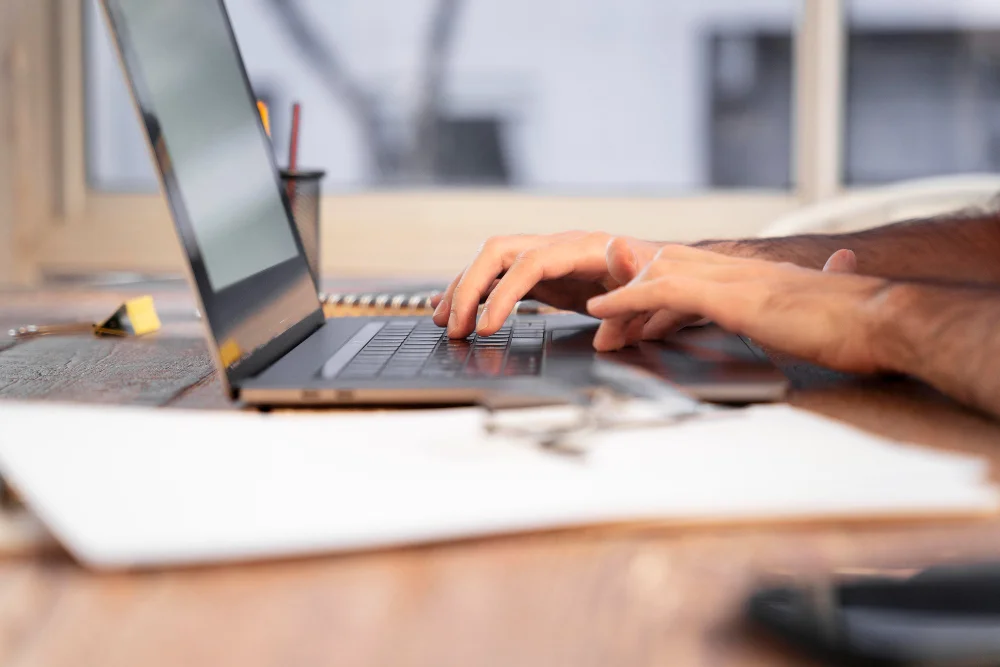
(278, 347)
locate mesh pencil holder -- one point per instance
(304, 189)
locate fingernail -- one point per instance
(440, 310)
(596, 301)
(452, 322)
(484, 320)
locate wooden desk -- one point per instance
(600, 597)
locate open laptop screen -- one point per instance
(219, 174)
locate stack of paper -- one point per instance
(135, 487)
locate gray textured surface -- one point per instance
(144, 371)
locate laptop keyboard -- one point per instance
(420, 349)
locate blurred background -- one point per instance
(660, 117)
(625, 96)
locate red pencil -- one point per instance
(293, 145)
(293, 151)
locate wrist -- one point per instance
(895, 348)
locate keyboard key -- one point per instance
(409, 348)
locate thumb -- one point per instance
(842, 261)
(623, 265)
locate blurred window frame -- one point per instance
(51, 221)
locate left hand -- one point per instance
(827, 317)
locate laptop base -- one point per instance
(705, 362)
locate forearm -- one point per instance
(961, 250)
(947, 337)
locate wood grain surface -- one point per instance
(625, 596)
(148, 371)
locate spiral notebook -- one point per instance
(379, 302)
(401, 301)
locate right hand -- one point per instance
(618, 332)
(562, 270)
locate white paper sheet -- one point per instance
(135, 487)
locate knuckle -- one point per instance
(530, 258)
(656, 269)
(491, 245)
(897, 297)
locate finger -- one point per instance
(495, 256)
(842, 261)
(613, 333)
(443, 308)
(565, 294)
(623, 264)
(708, 270)
(666, 322)
(530, 268)
(633, 332)
(682, 294)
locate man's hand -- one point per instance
(562, 270)
(826, 317)
(657, 325)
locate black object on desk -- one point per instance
(946, 616)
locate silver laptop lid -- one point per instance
(219, 173)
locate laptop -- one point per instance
(267, 330)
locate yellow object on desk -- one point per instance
(135, 317)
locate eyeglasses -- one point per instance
(562, 416)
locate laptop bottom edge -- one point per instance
(763, 392)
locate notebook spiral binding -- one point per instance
(370, 302)
(413, 303)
